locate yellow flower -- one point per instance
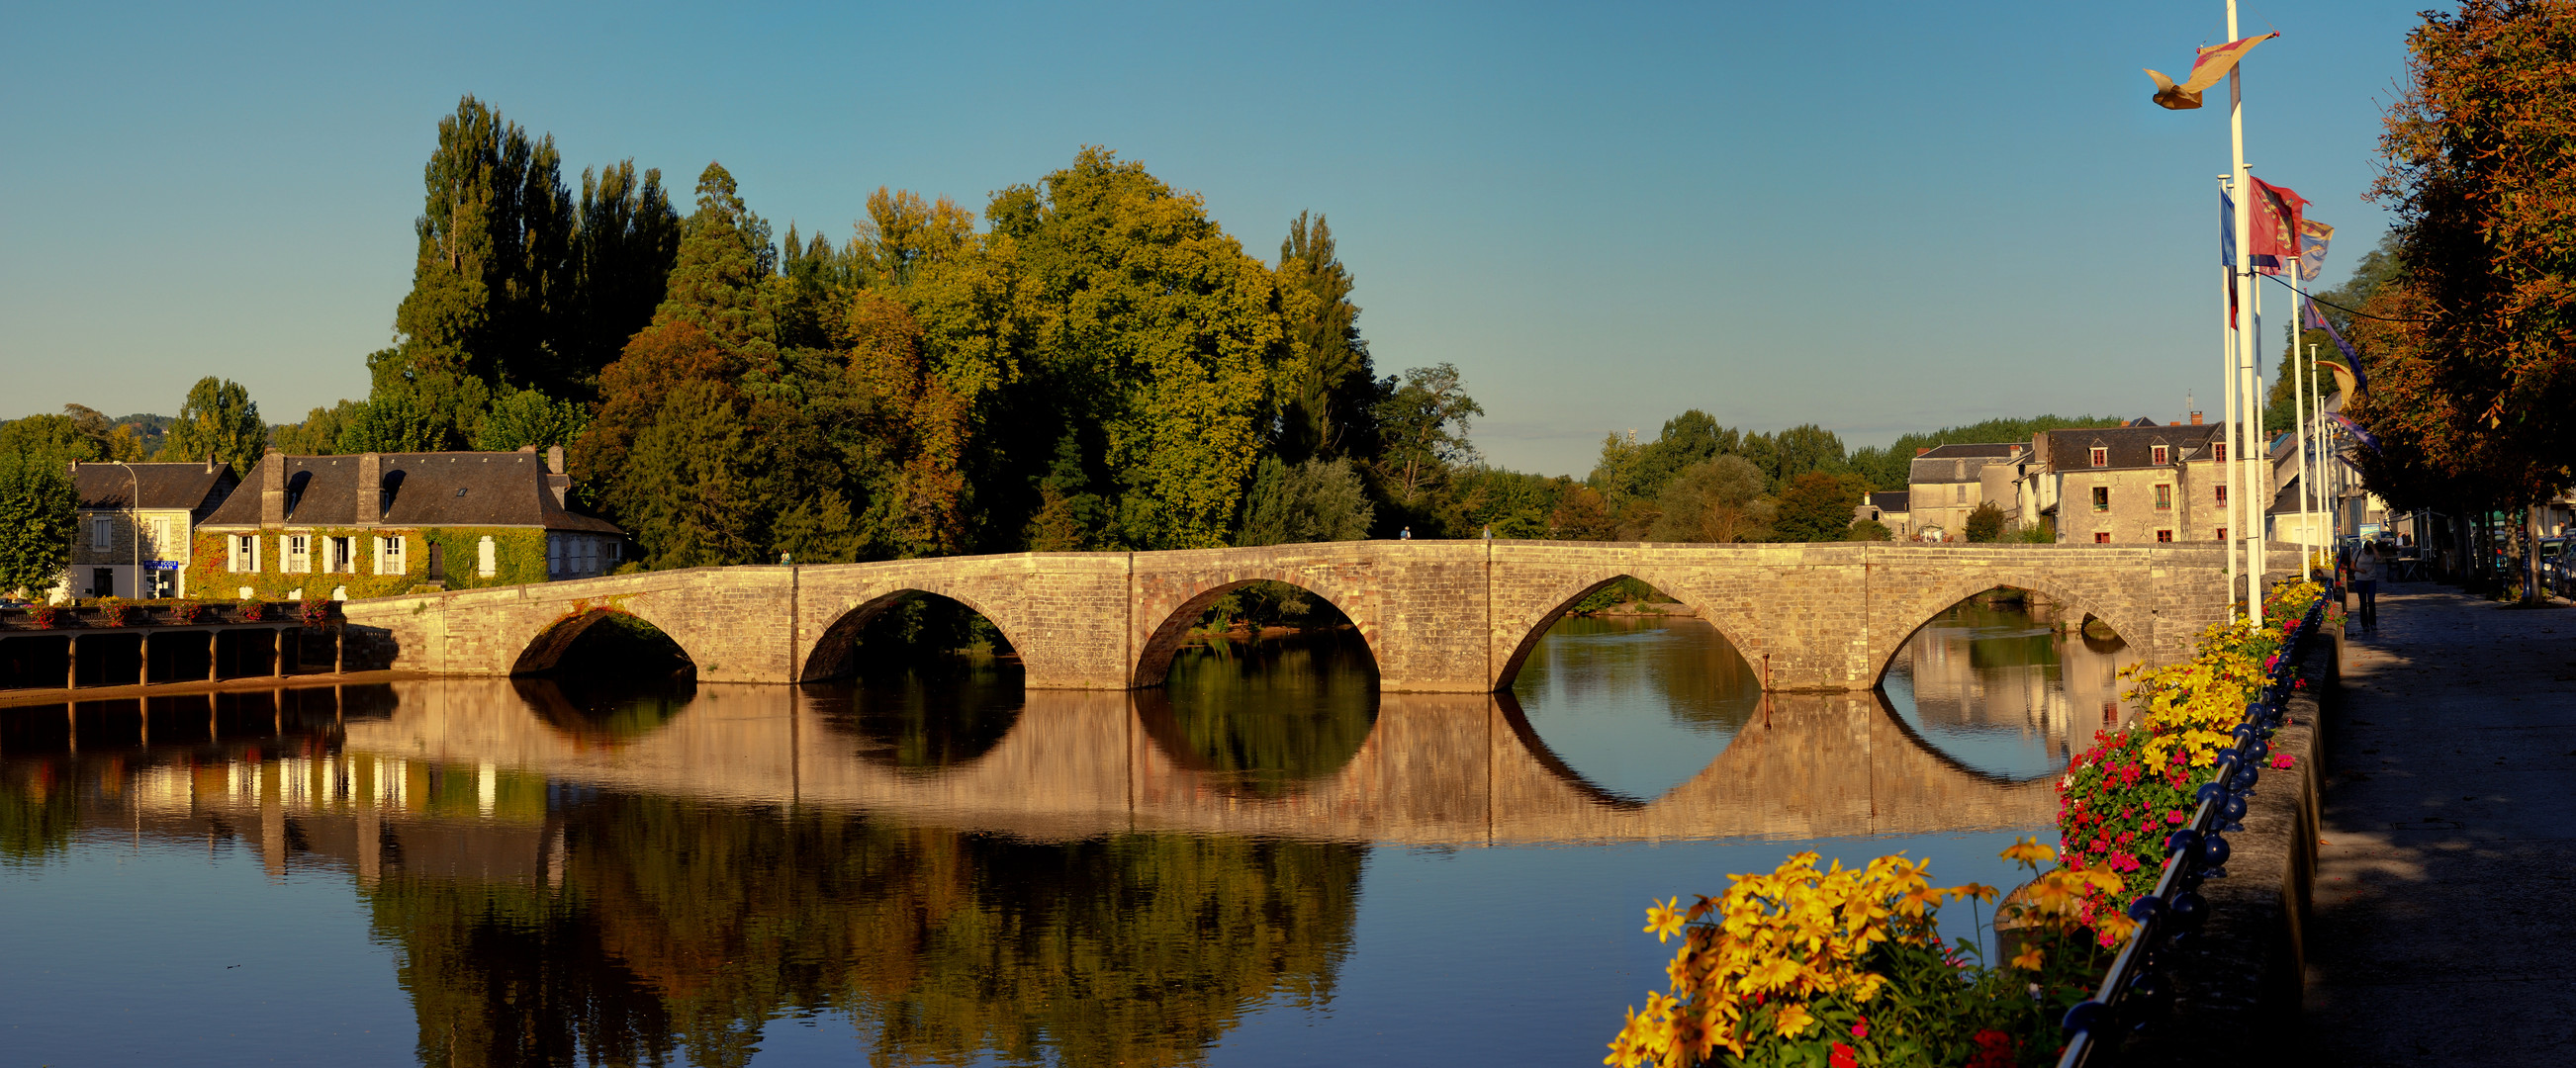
(1793, 1019)
(1664, 919)
(2029, 851)
(2028, 959)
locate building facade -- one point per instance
(138, 525)
(1947, 484)
(380, 524)
(1890, 510)
(2135, 484)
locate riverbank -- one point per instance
(2443, 896)
(298, 681)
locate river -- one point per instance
(1264, 862)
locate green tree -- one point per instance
(527, 417)
(622, 252)
(320, 432)
(2375, 268)
(719, 280)
(38, 513)
(1887, 468)
(1715, 500)
(1318, 500)
(1330, 390)
(219, 421)
(1149, 327)
(1986, 523)
(415, 409)
(1422, 427)
(1817, 506)
(1868, 530)
(693, 496)
(494, 264)
(53, 439)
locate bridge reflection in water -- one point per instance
(965, 871)
(1433, 769)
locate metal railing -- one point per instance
(2136, 991)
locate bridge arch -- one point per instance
(544, 650)
(833, 652)
(1154, 654)
(1567, 593)
(1912, 613)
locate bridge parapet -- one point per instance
(1439, 616)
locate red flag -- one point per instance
(2276, 226)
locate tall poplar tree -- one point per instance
(1329, 397)
(219, 421)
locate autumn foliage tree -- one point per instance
(2472, 349)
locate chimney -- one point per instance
(2176, 422)
(371, 488)
(272, 490)
(1919, 452)
(554, 459)
(210, 465)
(2195, 418)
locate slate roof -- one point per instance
(1891, 501)
(2130, 446)
(1959, 463)
(428, 489)
(193, 486)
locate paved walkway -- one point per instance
(2444, 929)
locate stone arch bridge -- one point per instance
(1438, 616)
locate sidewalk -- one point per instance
(2445, 901)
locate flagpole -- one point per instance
(2258, 448)
(2227, 399)
(2238, 392)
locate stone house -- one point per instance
(2133, 484)
(137, 525)
(1889, 509)
(379, 524)
(1947, 483)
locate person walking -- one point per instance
(2366, 570)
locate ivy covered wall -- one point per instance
(519, 556)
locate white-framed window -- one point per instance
(389, 555)
(2162, 453)
(244, 554)
(102, 533)
(299, 553)
(341, 558)
(487, 558)
(2101, 456)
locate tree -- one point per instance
(220, 422)
(1868, 530)
(320, 432)
(1318, 500)
(1986, 523)
(1718, 500)
(622, 254)
(2473, 385)
(1582, 515)
(39, 512)
(1149, 331)
(691, 498)
(493, 271)
(51, 439)
(1817, 506)
(1793, 452)
(719, 280)
(1888, 468)
(415, 408)
(1423, 426)
(527, 417)
(1330, 392)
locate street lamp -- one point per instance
(134, 519)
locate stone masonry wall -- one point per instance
(1439, 616)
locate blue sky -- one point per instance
(1879, 218)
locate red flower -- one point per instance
(1861, 1029)
(1844, 1057)
(1994, 1050)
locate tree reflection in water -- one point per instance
(952, 711)
(1262, 717)
(681, 926)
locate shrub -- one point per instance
(188, 611)
(253, 611)
(115, 612)
(1869, 530)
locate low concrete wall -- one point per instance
(2238, 988)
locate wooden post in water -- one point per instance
(277, 652)
(143, 658)
(71, 677)
(214, 653)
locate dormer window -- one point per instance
(2162, 454)
(2101, 456)
(2218, 451)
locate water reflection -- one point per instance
(1639, 705)
(1265, 718)
(960, 871)
(2007, 686)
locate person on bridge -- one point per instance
(2366, 570)
(1406, 536)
